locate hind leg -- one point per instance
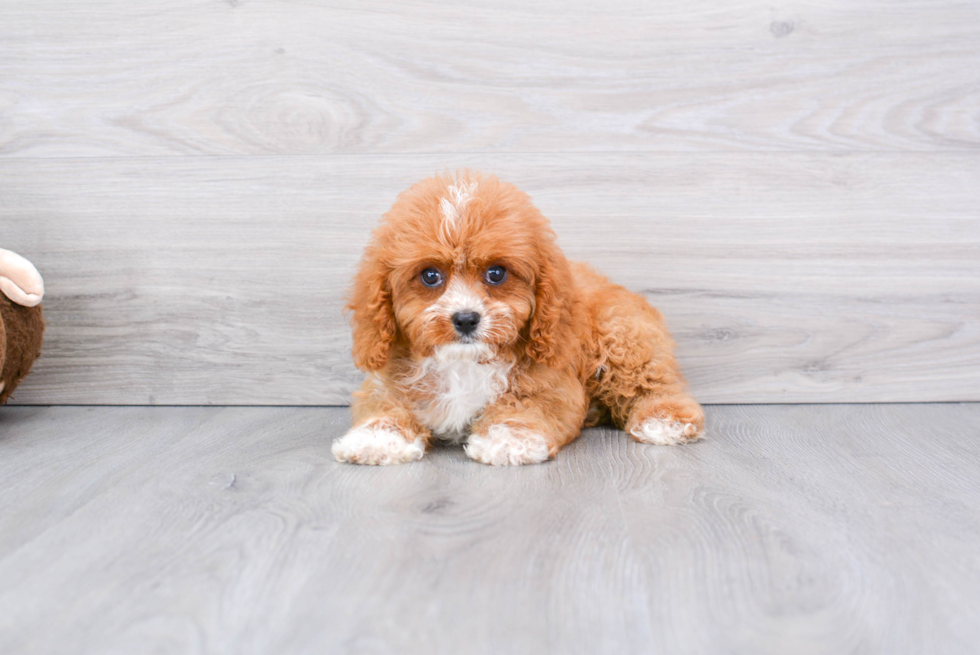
(635, 374)
(653, 406)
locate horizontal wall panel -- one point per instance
(161, 77)
(785, 277)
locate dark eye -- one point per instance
(431, 277)
(495, 275)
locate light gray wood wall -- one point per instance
(797, 187)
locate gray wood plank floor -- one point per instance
(803, 529)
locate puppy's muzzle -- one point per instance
(466, 322)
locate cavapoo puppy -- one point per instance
(474, 328)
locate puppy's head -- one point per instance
(462, 264)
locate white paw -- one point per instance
(665, 433)
(506, 445)
(374, 443)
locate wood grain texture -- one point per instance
(159, 77)
(805, 529)
(785, 278)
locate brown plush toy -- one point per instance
(21, 320)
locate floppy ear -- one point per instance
(551, 324)
(373, 319)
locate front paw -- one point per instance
(376, 443)
(507, 445)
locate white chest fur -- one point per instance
(458, 383)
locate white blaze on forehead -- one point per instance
(452, 207)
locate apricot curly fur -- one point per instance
(373, 323)
(551, 323)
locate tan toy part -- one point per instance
(21, 320)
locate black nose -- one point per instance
(466, 322)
